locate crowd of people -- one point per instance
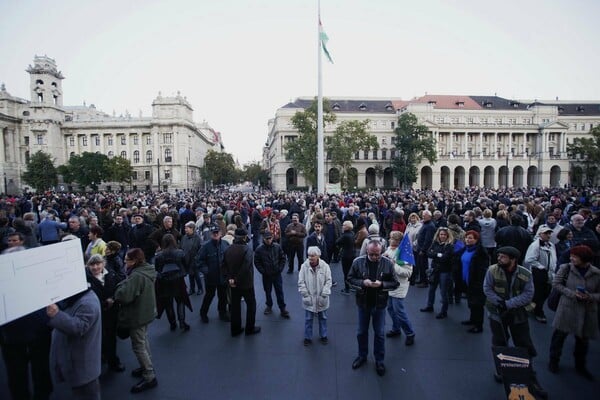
(146, 253)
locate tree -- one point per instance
(587, 152)
(119, 169)
(303, 151)
(219, 168)
(413, 144)
(87, 169)
(348, 138)
(41, 173)
(254, 173)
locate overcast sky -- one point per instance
(237, 61)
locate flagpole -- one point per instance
(320, 149)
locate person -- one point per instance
(49, 230)
(473, 263)
(137, 300)
(208, 262)
(576, 314)
(332, 229)
(372, 276)
(373, 235)
(113, 260)
(79, 230)
(440, 253)
(314, 285)
(190, 244)
(395, 308)
(30, 239)
(75, 352)
(412, 230)
(515, 236)
(317, 238)
(269, 260)
(424, 241)
(25, 344)
(541, 261)
(167, 228)
(295, 233)
(96, 245)
(470, 222)
(104, 283)
(508, 288)
(360, 236)
(170, 283)
(238, 270)
(346, 245)
(582, 234)
(139, 237)
(564, 237)
(119, 232)
(488, 231)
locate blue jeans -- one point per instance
(308, 323)
(365, 314)
(270, 282)
(399, 316)
(443, 280)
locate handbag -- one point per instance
(554, 296)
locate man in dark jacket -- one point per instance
(295, 233)
(208, 261)
(190, 244)
(239, 272)
(139, 236)
(269, 260)
(515, 236)
(373, 277)
(470, 223)
(424, 240)
(119, 232)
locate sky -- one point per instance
(238, 61)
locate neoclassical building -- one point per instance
(485, 141)
(166, 149)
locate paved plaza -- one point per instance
(446, 362)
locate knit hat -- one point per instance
(509, 251)
(241, 232)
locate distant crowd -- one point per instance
(504, 251)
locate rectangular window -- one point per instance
(384, 154)
(136, 140)
(366, 155)
(72, 141)
(512, 121)
(134, 175)
(110, 141)
(393, 141)
(123, 140)
(167, 174)
(469, 120)
(147, 175)
(328, 155)
(167, 138)
(97, 140)
(148, 139)
(375, 155)
(26, 140)
(356, 156)
(393, 154)
(40, 139)
(551, 151)
(84, 141)
(393, 125)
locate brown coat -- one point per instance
(572, 316)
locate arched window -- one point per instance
(168, 155)
(149, 157)
(124, 154)
(136, 157)
(111, 154)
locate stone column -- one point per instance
(510, 145)
(481, 145)
(466, 137)
(495, 148)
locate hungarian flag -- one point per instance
(324, 40)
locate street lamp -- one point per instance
(5, 185)
(158, 177)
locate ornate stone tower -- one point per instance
(45, 82)
(45, 116)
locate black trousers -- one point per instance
(541, 289)
(501, 333)
(109, 336)
(221, 291)
(295, 251)
(236, 309)
(581, 347)
(17, 358)
(346, 265)
(476, 315)
(171, 312)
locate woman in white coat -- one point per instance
(314, 284)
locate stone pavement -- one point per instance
(446, 362)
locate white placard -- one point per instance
(34, 278)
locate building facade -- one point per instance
(484, 141)
(166, 150)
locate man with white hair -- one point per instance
(373, 235)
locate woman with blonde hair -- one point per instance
(440, 273)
